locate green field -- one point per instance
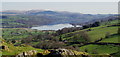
(99, 49)
(100, 32)
(112, 39)
(13, 50)
(96, 33)
(18, 33)
(110, 22)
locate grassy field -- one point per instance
(110, 22)
(117, 54)
(98, 33)
(95, 33)
(112, 39)
(99, 49)
(13, 50)
(18, 33)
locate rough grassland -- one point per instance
(101, 32)
(99, 49)
(13, 50)
(96, 32)
(112, 39)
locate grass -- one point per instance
(98, 33)
(95, 34)
(112, 39)
(99, 49)
(110, 22)
(13, 50)
(117, 54)
(18, 33)
(11, 20)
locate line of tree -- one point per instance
(95, 24)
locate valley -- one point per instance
(49, 33)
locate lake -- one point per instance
(54, 27)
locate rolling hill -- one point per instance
(37, 18)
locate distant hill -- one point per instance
(45, 17)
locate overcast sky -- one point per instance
(59, 0)
(81, 7)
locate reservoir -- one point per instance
(54, 27)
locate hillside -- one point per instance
(26, 19)
(10, 49)
(96, 33)
(98, 36)
(103, 39)
(90, 40)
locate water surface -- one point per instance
(54, 27)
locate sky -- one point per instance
(79, 7)
(59, 0)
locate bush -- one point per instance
(50, 45)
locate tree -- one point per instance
(86, 50)
(85, 35)
(95, 24)
(86, 26)
(60, 39)
(107, 34)
(118, 30)
(4, 17)
(77, 38)
(49, 45)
